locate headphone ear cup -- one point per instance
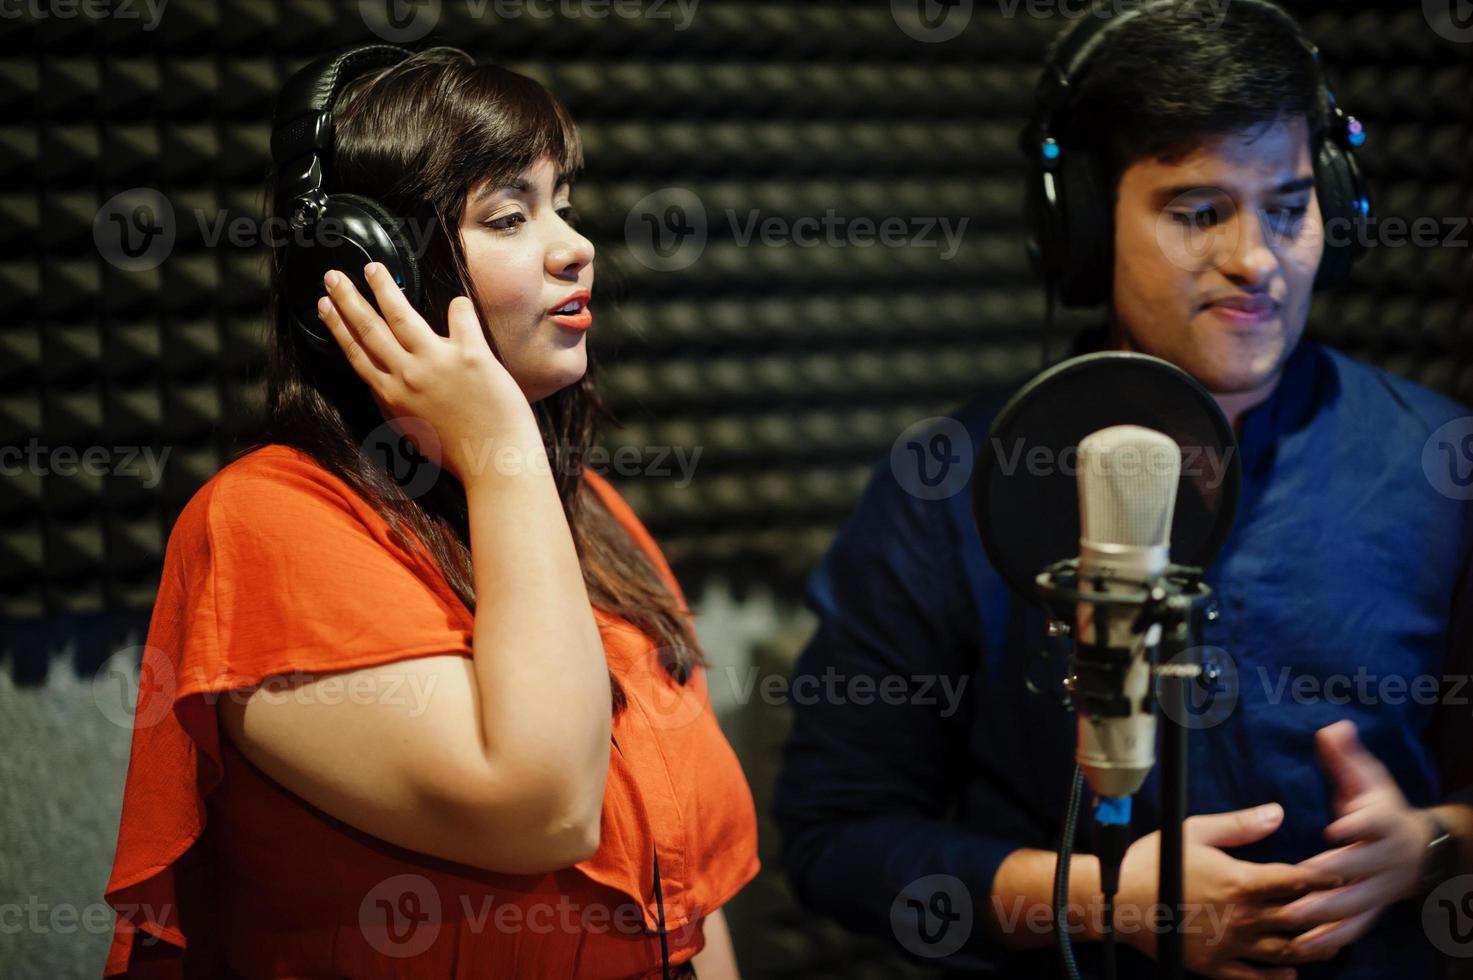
(351, 232)
(1338, 188)
(1088, 228)
(401, 261)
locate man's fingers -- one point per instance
(1288, 881)
(406, 323)
(1321, 907)
(1355, 860)
(1352, 767)
(1278, 947)
(364, 323)
(1233, 828)
(1367, 823)
(1324, 941)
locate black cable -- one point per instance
(660, 907)
(1061, 877)
(1112, 837)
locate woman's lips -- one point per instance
(581, 320)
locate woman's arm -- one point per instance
(717, 960)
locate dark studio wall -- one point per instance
(790, 366)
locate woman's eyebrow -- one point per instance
(519, 184)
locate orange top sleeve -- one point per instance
(276, 566)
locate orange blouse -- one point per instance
(276, 565)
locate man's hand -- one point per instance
(1384, 841)
(1228, 901)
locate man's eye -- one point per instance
(569, 214)
(1198, 218)
(1286, 219)
(506, 222)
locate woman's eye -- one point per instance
(506, 222)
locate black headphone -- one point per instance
(1071, 229)
(330, 231)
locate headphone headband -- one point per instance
(336, 231)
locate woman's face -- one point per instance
(527, 260)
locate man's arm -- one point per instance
(880, 724)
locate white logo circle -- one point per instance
(666, 230)
(400, 916)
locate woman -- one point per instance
(455, 728)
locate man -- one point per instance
(1311, 846)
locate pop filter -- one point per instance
(1025, 496)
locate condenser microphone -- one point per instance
(1128, 479)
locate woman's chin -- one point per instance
(566, 370)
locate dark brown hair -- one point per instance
(417, 137)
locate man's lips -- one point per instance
(1243, 309)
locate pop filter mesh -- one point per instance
(1025, 495)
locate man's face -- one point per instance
(1216, 254)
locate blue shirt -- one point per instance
(1341, 585)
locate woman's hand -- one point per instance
(1228, 902)
(449, 395)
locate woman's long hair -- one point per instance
(417, 137)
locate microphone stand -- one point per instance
(1172, 601)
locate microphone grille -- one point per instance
(1128, 478)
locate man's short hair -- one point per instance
(1171, 77)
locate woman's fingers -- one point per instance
(403, 319)
(364, 324)
(465, 326)
(368, 369)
